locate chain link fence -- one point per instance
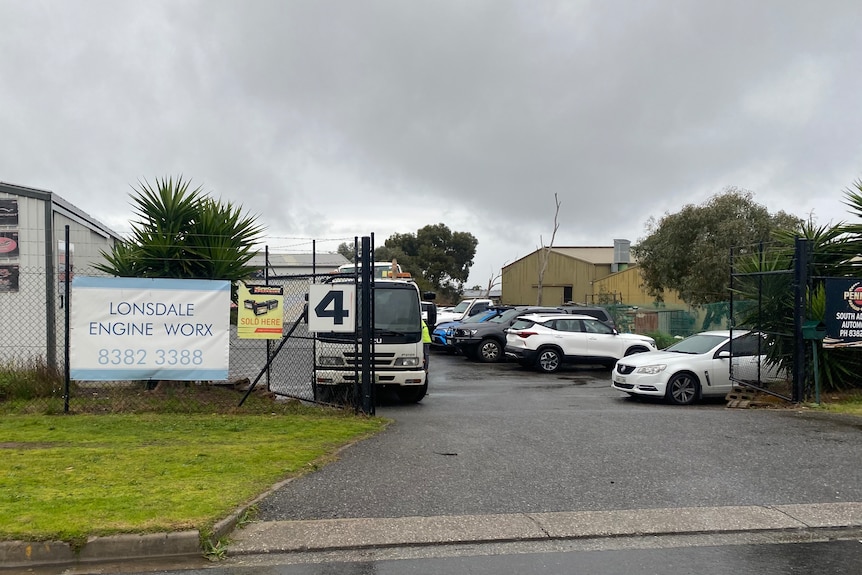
(764, 286)
(33, 361)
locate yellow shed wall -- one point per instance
(520, 280)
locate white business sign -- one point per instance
(148, 328)
(332, 308)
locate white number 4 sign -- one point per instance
(332, 308)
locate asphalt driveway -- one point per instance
(497, 439)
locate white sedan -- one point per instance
(695, 367)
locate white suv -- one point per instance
(547, 341)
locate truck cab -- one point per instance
(397, 346)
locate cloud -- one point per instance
(332, 119)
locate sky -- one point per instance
(332, 119)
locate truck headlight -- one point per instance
(407, 362)
(330, 360)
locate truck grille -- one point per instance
(379, 359)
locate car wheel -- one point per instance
(489, 351)
(682, 389)
(549, 360)
(412, 393)
(635, 349)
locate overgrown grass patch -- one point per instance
(29, 378)
(849, 402)
(68, 477)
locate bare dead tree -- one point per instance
(494, 281)
(545, 252)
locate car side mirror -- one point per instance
(723, 354)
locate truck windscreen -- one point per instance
(397, 310)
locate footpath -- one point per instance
(837, 520)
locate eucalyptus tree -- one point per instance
(689, 251)
(439, 258)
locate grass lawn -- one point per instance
(68, 477)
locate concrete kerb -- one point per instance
(843, 519)
(343, 534)
(17, 554)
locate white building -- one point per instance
(32, 268)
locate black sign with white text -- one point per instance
(843, 313)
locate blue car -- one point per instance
(441, 337)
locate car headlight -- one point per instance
(472, 331)
(651, 369)
(407, 362)
(330, 360)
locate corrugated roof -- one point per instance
(323, 261)
(47, 195)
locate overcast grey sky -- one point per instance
(332, 119)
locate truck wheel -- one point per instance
(489, 351)
(412, 393)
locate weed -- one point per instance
(250, 515)
(215, 551)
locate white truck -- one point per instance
(465, 308)
(397, 349)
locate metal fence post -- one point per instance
(800, 285)
(366, 293)
(67, 275)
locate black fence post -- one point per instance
(366, 295)
(268, 341)
(800, 289)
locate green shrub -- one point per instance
(662, 339)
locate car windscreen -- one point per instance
(523, 324)
(700, 343)
(480, 317)
(506, 316)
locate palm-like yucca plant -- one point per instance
(222, 240)
(182, 233)
(769, 307)
(761, 300)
